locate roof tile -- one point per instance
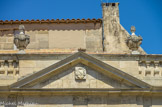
(52, 21)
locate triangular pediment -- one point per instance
(80, 71)
(80, 76)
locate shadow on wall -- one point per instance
(12, 29)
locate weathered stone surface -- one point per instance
(42, 37)
(10, 39)
(32, 35)
(25, 72)
(43, 32)
(44, 63)
(81, 100)
(67, 39)
(94, 40)
(8, 46)
(3, 39)
(27, 63)
(1, 46)
(43, 44)
(33, 45)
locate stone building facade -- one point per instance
(77, 63)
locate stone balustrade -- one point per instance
(150, 68)
(9, 67)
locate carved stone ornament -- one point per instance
(21, 40)
(134, 41)
(80, 73)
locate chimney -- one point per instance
(111, 28)
(110, 11)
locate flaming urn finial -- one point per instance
(134, 41)
(21, 40)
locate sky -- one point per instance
(145, 15)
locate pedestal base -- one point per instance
(21, 52)
(135, 52)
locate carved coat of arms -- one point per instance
(80, 73)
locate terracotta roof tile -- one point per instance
(52, 21)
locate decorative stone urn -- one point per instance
(21, 40)
(134, 41)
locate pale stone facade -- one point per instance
(77, 63)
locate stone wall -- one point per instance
(56, 36)
(6, 42)
(107, 100)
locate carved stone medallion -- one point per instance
(80, 73)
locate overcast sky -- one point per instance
(145, 15)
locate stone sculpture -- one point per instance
(134, 41)
(21, 40)
(80, 73)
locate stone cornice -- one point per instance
(87, 91)
(63, 55)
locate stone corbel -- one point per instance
(142, 67)
(148, 70)
(156, 64)
(16, 67)
(10, 67)
(2, 70)
(156, 69)
(6, 67)
(148, 63)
